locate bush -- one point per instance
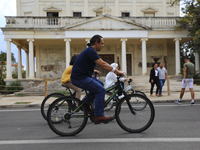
(14, 86)
(20, 94)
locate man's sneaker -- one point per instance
(192, 103)
(177, 101)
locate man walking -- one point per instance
(187, 79)
(162, 74)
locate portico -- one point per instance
(131, 44)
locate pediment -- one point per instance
(52, 8)
(106, 22)
(149, 9)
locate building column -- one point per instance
(31, 59)
(123, 49)
(144, 56)
(197, 61)
(9, 62)
(67, 47)
(19, 62)
(85, 8)
(27, 65)
(177, 55)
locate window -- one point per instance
(52, 14)
(52, 20)
(125, 14)
(149, 14)
(77, 14)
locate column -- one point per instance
(144, 56)
(31, 59)
(9, 69)
(85, 8)
(27, 65)
(68, 8)
(117, 8)
(19, 62)
(197, 61)
(88, 41)
(123, 49)
(177, 55)
(67, 47)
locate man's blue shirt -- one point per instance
(84, 64)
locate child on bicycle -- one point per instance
(111, 77)
(66, 81)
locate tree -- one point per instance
(191, 22)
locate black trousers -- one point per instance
(157, 82)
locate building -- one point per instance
(136, 34)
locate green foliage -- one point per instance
(64, 92)
(15, 75)
(23, 74)
(14, 87)
(20, 94)
(190, 22)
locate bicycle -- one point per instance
(128, 88)
(67, 116)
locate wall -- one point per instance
(35, 7)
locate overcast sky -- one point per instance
(8, 8)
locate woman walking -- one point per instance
(154, 79)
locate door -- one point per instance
(129, 64)
(109, 58)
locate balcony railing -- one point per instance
(47, 22)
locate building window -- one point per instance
(52, 20)
(52, 14)
(125, 14)
(77, 14)
(149, 14)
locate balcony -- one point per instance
(58, 22)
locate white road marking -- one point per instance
(103, 140)
(155, 105)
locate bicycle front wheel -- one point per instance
(66, 116)
(133, 120)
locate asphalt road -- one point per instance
(175, 127)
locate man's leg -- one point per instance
(192, 93)
(161, 85)
(181, 94)
(191, 82)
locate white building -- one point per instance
(134, 31)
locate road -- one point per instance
(175, 127)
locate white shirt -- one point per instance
(162, 72)
(111, 78)
(156, 73)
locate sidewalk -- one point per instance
(35, 101)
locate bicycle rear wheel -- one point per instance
(46, 103)
(131, 120)
(65, 117)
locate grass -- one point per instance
(22, 102)
(20, 94)
(64, 92)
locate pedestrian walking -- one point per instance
(188, 74)
(154, 79)
(162, 77)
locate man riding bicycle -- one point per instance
(81, 76)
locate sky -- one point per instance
(8, 8)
